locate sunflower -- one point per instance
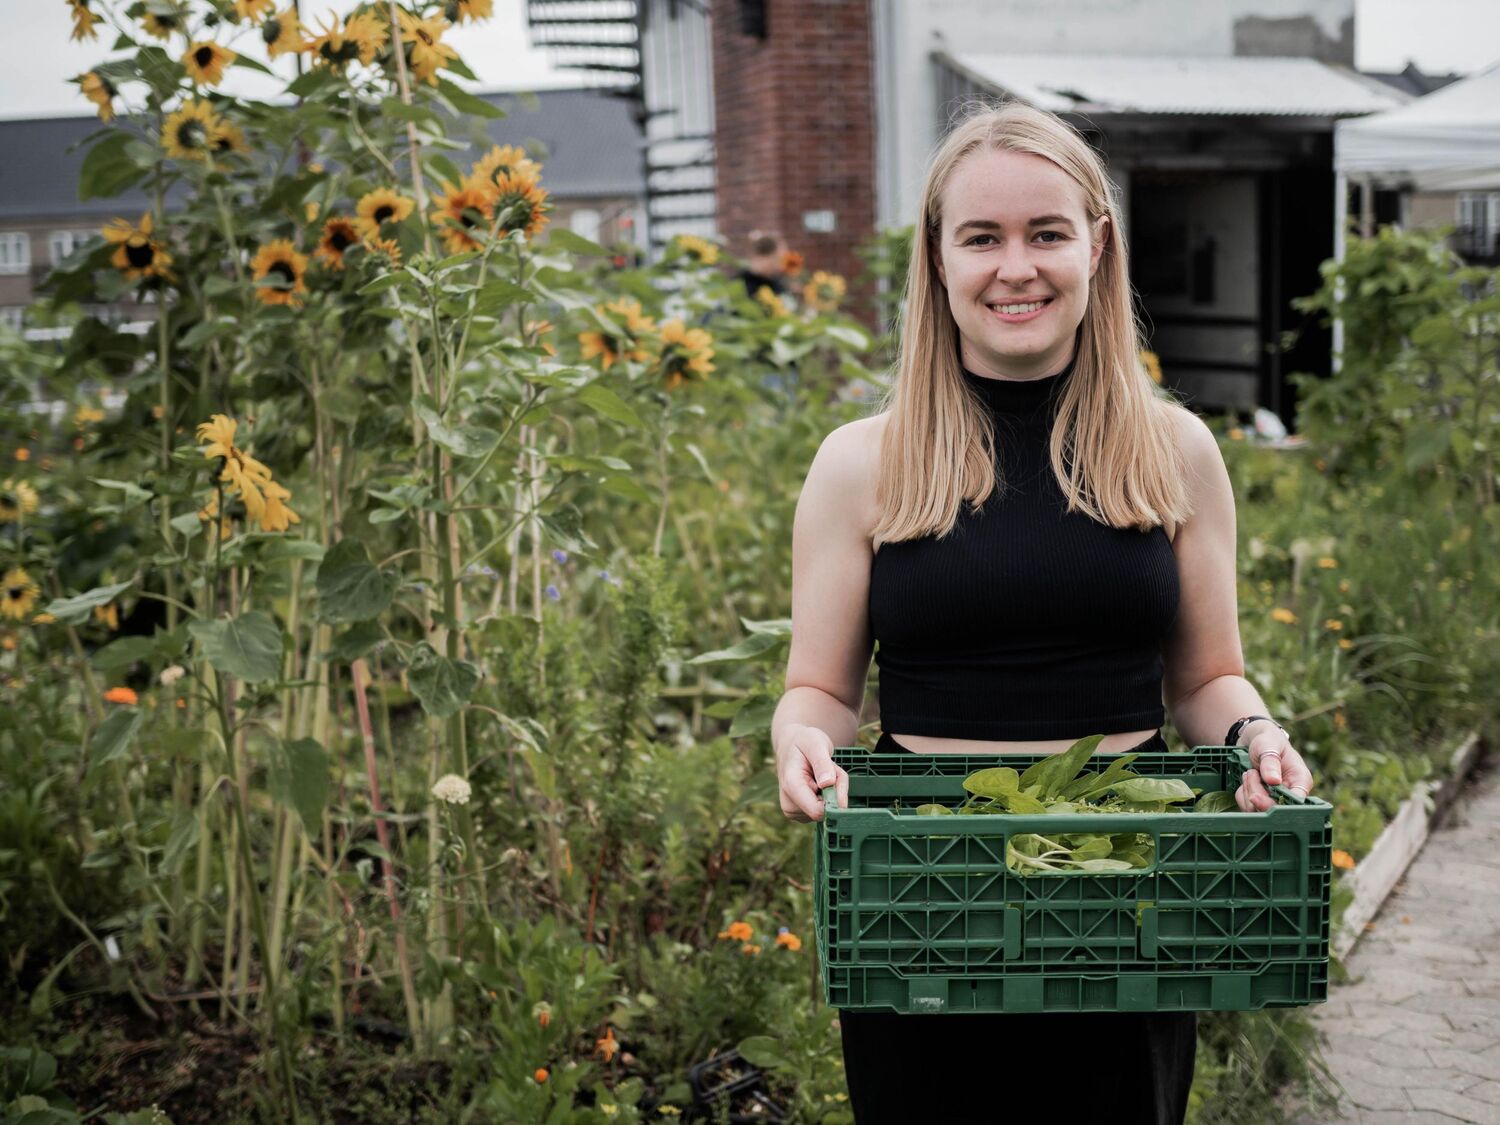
(360, 37)
(429, 53)
(188, 134)
(253, 10)
(83, 20)
(137, 255)
(1151, 364)
(247, 478)
(536, 329)
(86, 416)
(162, 26)
(505, 160)
(279, 261)
(609, 346)
(283, 33)
(466, 11)
(338, 235)
(461, 211)
(824, 291)
(108, 616)
(210, 511)
(700, 250)
(769, 300)
(386, 248)
(17, 498)
(205, 62)
(519, 204)
(99, 90)
(378, 207)
(17, 594)
(685, 354)
(228, 139)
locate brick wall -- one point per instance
(795, 128)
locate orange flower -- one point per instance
(737, 931)
(541, 1074)
(791, 262)
(789, 940)
(1285, 616)
(120, 695)
(607, 1046)
(749, 948)
(1343, 859)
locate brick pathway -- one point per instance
(1414, 1035)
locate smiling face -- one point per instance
(1016, 252)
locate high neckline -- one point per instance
(1018, 396)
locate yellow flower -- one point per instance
(462, 212)
(1343, 859)
(1151, 363)
(246, 477)
(210, 510)
(1406, 525)
(771, 301)
(465, 11)
(17, 498)
(1343, 585)
(338, 235)
(1285, 616)
(378, 207)
(609, 346)
(188, 133)
(386, 248)
(137, 255)
(1339, 721)
(505, 160)
(43, 619)
(285, 267)
(536, 329)
(161, 26)
(698, 249)
(360, 37)
(228, 139)
(1333, 624)
(737, 931)
(108, 616)
(1236, 434)
(428, 53)
(685, 354)
(86, 416)
(83, 21)
(310, 209)
(518, 203)
(99, 90)
(253, 10)
(205, 63)
(824, 291)
(17, 594)
(1327, 563)
(1345, 643)
(282, 34)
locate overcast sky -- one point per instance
(37, 59)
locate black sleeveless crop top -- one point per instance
(1026, 621)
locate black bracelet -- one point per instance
(1233, 737)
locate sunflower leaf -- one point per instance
(442, 685)
(108, 169)
(463, 441)
(601, 400)
(565, 239)
(113, 736)
(465, 103)
(350, 587)
(247, 646)
(76, 610)
(299, 780)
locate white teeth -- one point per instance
(1018, 308)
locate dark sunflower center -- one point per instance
(471, 217)
(167, 23)
(15, 593)
(270, 31)
(383, 212)
(453, 11)
(140, 255)
(340, 239)
(191, 134)
(347, 51)
(203, 56)
(284, 274)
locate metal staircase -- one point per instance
(657, 54)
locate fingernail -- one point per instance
(825, 781)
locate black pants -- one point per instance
(1131, 1068)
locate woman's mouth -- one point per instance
(1017, 312)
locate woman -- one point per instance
(1043, 547)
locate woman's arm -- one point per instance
(831, 644)
(1205, 687)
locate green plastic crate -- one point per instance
(920, 914)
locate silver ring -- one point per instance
(1270, 753)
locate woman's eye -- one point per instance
(1059, 235)
(975, 239)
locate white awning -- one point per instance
(1448, 140)
(1176, 84)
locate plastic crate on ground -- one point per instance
(921, 914)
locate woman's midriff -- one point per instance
(1118, 743)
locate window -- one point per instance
(1478, 222)
(64, 242)
(15, 251)
(584, 222)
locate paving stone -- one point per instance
(1406, 1117)
(1454, 1105)
(1486, 1091)
(1480, 1065)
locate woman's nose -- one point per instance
(1015, 265)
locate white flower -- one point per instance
(453, 789)
(170, 676)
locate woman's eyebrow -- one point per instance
(989, 224)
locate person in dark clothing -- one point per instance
(1037, 544)
(763, 265)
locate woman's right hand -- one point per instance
(804, 766)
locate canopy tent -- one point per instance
(1448, 140)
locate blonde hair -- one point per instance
(1114, 446)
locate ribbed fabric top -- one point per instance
(1027, 622)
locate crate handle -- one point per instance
(830, 797)
(1242, 760)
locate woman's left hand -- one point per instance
(1274, 762)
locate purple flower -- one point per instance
(604, 574)
(552, 592)
(560, 557)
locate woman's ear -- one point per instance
(1096, 250)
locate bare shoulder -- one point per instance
(845, 471)
(1200, 450)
